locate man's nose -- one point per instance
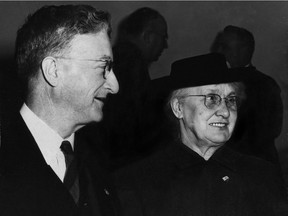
(112, 83)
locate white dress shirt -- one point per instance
(48, 141)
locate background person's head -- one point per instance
(237, 44)
(64, 54)
(147, 29)
(204, 100)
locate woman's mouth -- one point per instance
(218, 124)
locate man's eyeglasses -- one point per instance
(212, 101)
(107, 68)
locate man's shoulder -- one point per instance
(18, 147)
(13, 131)
(261, 78)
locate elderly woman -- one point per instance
(197, 174)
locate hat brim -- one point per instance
(169, 84)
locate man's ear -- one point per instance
(147, 35)
(177, 108)
(49, 71)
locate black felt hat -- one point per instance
(198, 71)
(195, 71)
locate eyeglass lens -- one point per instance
(108, 68)
(214, 100)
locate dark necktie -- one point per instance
(71, 179)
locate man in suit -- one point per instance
(64, 58)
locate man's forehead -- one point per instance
(96, 44)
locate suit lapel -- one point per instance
(26, 172)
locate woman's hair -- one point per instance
(172, 121)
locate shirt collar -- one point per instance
(47, 139)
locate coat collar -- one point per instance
(184, 157)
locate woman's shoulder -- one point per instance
(244, 162)
(257, 170)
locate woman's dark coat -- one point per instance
(178, 182)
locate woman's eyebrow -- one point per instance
(232, 93)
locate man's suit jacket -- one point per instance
(28, 186)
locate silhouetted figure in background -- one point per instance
(142, 37)
(260, 118)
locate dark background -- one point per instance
(192, 26)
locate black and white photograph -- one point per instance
(144, 108)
